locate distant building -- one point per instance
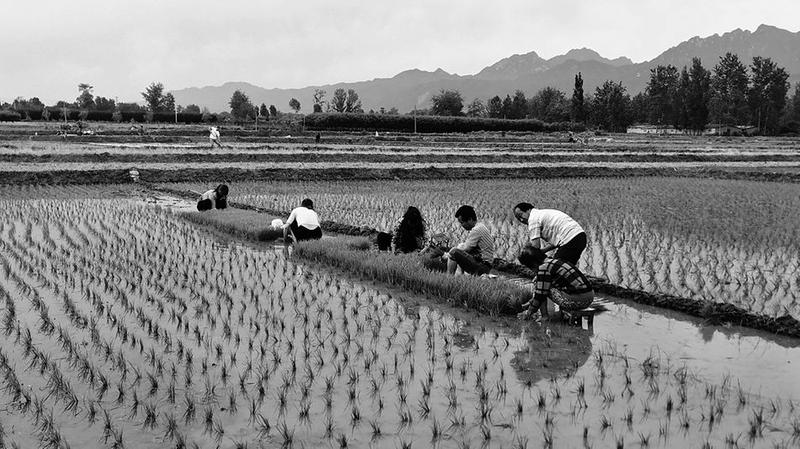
(716, 129)
(748, 130)
(653, 129)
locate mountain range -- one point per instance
(528, 72)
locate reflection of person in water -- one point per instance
(550, 351)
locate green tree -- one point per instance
(495, 107)
(508, 105)
(319, 100)
(168, 104)
(681, 100)
(767, 94)
(793, 107)
(192, 109)
(339, 100)
(295, 105)
(104, 104)
(550, 105)
(728, 102)
(154, 96)
(611, 107)
(519, 105)
(577, 110)
(662, 91)
(263, 110)
(241, 107)
(273, 111)
(353, 104)
(129, 107)
(697, 95)
(638, 108)
(447, 102)
(85, 99)
(346, 101)
(476, 108)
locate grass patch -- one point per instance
(246, 224)
(407, 271)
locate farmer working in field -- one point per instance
(552, 229)
(557, 280)
(475, 254)
(303, 223)
(216, 198)
(213, 136)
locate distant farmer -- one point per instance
(409, 236)
(303, 223)
(475, 254)
(552, 229)
(216, 198)
(557, 280)
(213, 136)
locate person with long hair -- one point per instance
(409, 236)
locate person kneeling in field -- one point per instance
(303, 223)
(556, 279)
(409, 236)
(475, 254)
(214, 199)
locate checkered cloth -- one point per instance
(560, 275)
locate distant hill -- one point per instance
(528, 72)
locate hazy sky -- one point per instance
(48, 47)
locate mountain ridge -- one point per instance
(528, 72)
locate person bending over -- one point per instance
(475, 254)
(409, 236)
(552, 229)
(303, 223)
(216, 198)
(556, 279)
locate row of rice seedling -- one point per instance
(125, 326)
(726, 241)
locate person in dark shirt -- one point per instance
(216, 198)
(556, 279)
(409, 236)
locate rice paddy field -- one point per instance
(721, 240)
(126, 325)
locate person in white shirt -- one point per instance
(216, 198)
(475, 254)
(213, 136)
(552, 229)
(303, 223)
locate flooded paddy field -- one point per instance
(126, 326)
(718, 240)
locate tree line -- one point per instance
(689, 99)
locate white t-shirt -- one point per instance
(554, 226)
(304, 217)
(213, 134)
(210, 195)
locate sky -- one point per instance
(48, 47)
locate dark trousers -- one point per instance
(204, 205)
(303, 233)
(469, 263)
(572, 250)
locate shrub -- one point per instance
(431, 124)
(9, 116)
